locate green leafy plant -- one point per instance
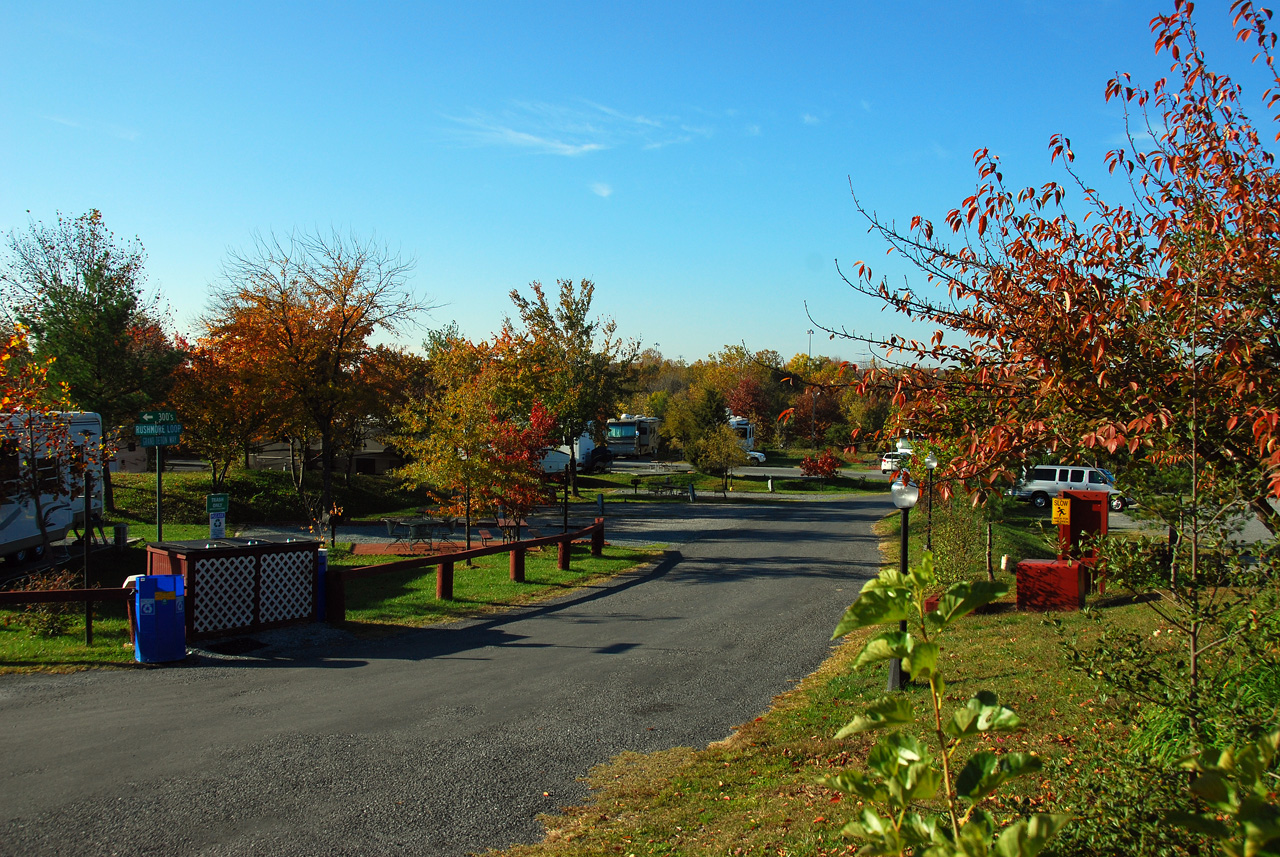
(902, 773)
(1239, 787)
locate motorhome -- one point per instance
(745, 431)
(20, 537)
(632, 435)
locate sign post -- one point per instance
(158, 429)
(217, 505)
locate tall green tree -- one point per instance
(78, 290)
(574, 363)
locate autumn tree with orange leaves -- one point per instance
(305, 307)
(1149, 331)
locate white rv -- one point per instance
(631, 435)
(745, 431)
(19, 531)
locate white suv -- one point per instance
(891, 461)
(1041, 484)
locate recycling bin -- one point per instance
(159, 610)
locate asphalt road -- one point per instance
(441, 741)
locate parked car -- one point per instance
(891, 461)
(1041, 484)
(756, 456)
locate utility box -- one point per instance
(159, 610)
(1087, 521)
(1051, 584)
(242, 584)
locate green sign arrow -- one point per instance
(157, 417)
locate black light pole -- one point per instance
(905, 494)
(86, 543)
(813, 405)
(930, 461)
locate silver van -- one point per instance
(1041, 484)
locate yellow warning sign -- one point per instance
(1061, 510)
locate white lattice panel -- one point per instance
(287, 587)
(224, 593)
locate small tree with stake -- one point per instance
(902, 772)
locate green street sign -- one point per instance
(149, 429)
(215, 503)
(153, 417)
(159, 440)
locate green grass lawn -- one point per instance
(755, 792)
(407, 598)
(619, 485)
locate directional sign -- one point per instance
(157, 417)
(160, 440)
(217, 503)
(148, 429)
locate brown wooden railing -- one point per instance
(336, 580)
(53, 596)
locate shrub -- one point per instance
(824, 466)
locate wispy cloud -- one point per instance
(810, 119)
(603, 190)
(866, 105)
(569, 130)
(106, 129)
(753, 130)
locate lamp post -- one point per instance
(930, 461)
(905, 494)
(813, 407)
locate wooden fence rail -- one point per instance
(336, 580)
(53, 596)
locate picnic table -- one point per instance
(415, 531)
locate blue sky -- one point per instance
(693, 159)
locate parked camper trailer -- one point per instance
(745, 431)
(19, 531)
(632, 435)
(589, 457)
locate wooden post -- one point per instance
(444, 581)
(991, 574)
(597, 538)
(562, 555)
(336, 604)
(517, 564)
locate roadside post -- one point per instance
(158, 429)
(217, 506)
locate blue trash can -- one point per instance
(161, 616)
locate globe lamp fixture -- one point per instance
(905, 493)
(931, 461)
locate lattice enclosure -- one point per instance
(225, 593)
(286, 586)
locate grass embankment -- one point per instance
(755, 792)
(621, 486)
(256, 496)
